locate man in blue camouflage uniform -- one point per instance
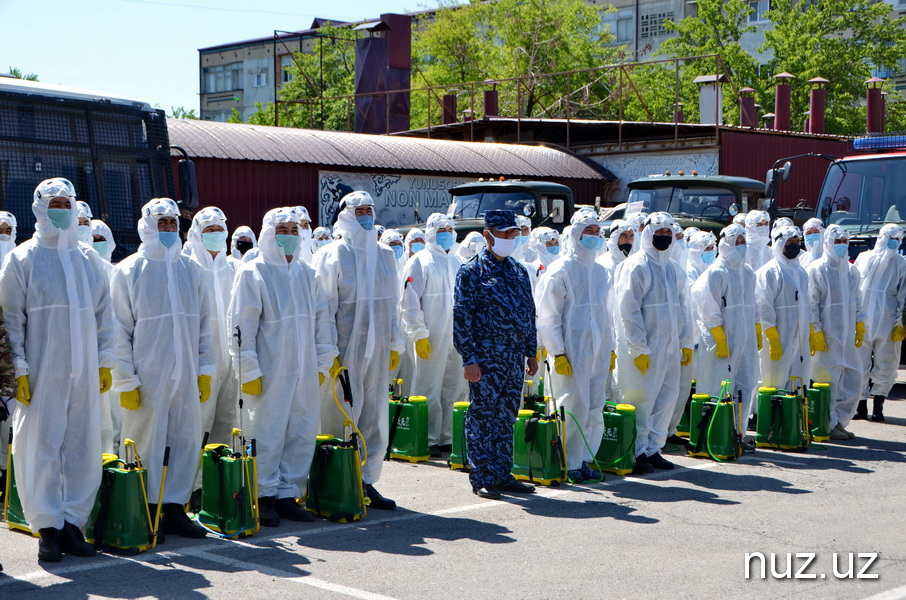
(494, 332)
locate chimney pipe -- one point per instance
(768, 120)
(874, 118)
(782, 101)
(710, 98)
(449, 109)
(817, 103)
(747, 116)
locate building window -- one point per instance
(286, 62)
(758, 9)
(222, 78)
(624, 30)
(259, 79)
(652, 25)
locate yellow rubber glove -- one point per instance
(687, 357)
(613, 361)
(423, 349)
(335, 368)
(816, 341)
(642, 362)
(204, 387)
(538, 354)
(758, 336)
(106, 379)
(320, 379)
(395, 358)
(130, 400)
(860, 333)
(898, 335)
(252, 388)
(562, 366)
(720, 339)
(774, 347)
(23, 394)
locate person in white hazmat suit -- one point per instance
(104, 244)
(7, 243)
(522, 252)
(7, 233)
(575, 326)
(305, 248)
(653, 339)
(320, 238)
(83, 229)
(287, 336)
(427, 319)
(359, 277)
(702, 254)
(242, 242)
(758, 236)
(883, 287)
(206, 246)
(62, 357)
(393, 239)
(415, 241)
(783, 314)
(839, 320)
(165, 360)
(813, 231)
(544, 244)
(618, 246)
(724, 301)
(470, 246)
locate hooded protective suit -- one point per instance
(320, 237)
(98, 227)
(472, 245)
(388, 237)
(83, 232)
(161, 305)
(56, 304)
(538, 240)
(781, 301)
(8, 243)
(883, 287)
(724, 296)
(613, 256)
(427, 313)
(836, 306)
(813, 250)
(406, 367)
(636, 220)
(219, 415)
(522, 252)
(287, 337)
(359, 277)
(650, 320)
(696, 265)
(757, 238)
(111, 419)
(240, 232)
(414, 234)
(305, 248)
(574, 308)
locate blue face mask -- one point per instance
(366, 222)
(741, 250)
(445, 239)
(397, 251)
(168, 238)
(289, 243)
(708, 256)
(214, 241)
(322, 243)
(893, 244)
(591, 242)
(555, 250)
(101, 247)
(60, 218)
(417, 247)
(812, 239)
(841, 250)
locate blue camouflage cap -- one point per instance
(501, 220)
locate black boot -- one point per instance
(267, 512)
(49, 545)
(175, 521)
(73, 542)
(288, 508)
(861, 411)
(877, 409)
(378, 501)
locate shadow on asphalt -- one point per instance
(540, 506)
(266, 553)
(635, 489)
(742, 482)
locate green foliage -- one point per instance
(180, 112)
(17, 73)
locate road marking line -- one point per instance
(894, 594)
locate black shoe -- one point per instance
(642, 466)
(267, 512)
(861, 411)
(515, 487)
(659, 462)
(877, 409)
(195, 502)
(589, 474)
(446, 448)
(288, 508)
(378, 501)
(73, 542)
(434, 451)
(49, 545)
(753, 421)
(175, 521)
(489, 492)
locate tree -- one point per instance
(17, 73)
(181, 112)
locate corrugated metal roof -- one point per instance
(211, 139)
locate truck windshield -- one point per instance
(862, 195)
(473, 206)
(710, 203)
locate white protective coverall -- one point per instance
(392, 235)
(305, 248)
(724, 296)
(522, 252)
(687, 372)
(636, 221)
(574, 319)
(406, 366)
(163, 345)
(781, 301)
(883, 286)
(111, 417)
(7, 243)
(83, 232)
(287, 338)
(695, 265)
(414, 234)
(538, 240)
(472, 245)
(427, 313)
(359, 277)
(836, 307)
(650, 320)
(758, 253)
(240, 232)
(56, 304)
(320, 237)
(613, 256)
(812, 251)
(220, 414)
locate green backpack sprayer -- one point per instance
(616, 453)
(12, 504)
(408, 438)
(539, 452)
(819, 410)
(459, 455)
(682, 428)
(229, 490)
(782, 420)
(335, 480)
(715, 424)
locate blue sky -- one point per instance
(148, 49)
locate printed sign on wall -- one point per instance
(631, 166)
(396, 197)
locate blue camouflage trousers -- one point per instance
(494, 405)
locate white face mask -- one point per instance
(84, 233)
(5, 237)
(504, 247)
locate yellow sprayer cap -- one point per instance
(237, 431)
(323, 437)
(417, 399)
(821, 385)
(701, 396)
(215, 446)
(461, 404)
(526, 414)
(106, 458)
(767, 389)
(625, 408)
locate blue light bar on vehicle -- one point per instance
(881, 142)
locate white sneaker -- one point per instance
(849, 434)
(838, 433)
